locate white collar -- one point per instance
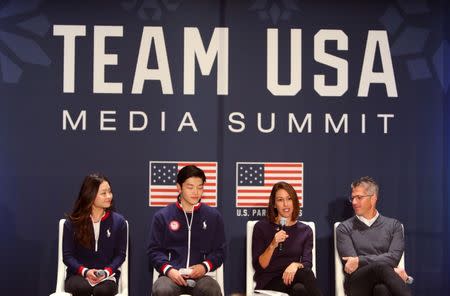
(368, 222)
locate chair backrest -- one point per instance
(61, 274)
(123, 280)
(250, 283)
(339, 269)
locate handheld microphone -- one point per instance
(191, 283)
(99, 273)
(283, 221)
(409, 280)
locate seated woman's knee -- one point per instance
(305, 274)
(299, 289)
(381, 290)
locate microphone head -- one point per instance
(283, 221)
(100, 273)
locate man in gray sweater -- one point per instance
(371, 246)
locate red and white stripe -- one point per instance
(165, 268)
(274, 172)
(162, 195)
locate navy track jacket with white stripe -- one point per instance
(168, 243)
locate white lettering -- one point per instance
(306, 121)
(295, 84)
(193, 47)
(69, 33)
(231, 118)
(104, 119)
(385, 121)
(339, 64)
(342, 122)
(162, 73)
(81, 118)
(132, 126)
(187, 121)
(272, 124)
(101, 59)
(368, 77)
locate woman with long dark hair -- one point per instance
(94, 240)
(286, 269)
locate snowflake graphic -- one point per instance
(275, 10)
(20, 28)
(409, 42)
(151, 9)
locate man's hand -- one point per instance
(289, 272)
(91, 278)
(401, 273)
(198, 270)
(351, 264)
(176, 277)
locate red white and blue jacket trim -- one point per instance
(168, 242)
(110, 253)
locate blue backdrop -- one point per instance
(73, 73)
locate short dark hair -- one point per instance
(188, 172)
(272, 212)
(369, 183)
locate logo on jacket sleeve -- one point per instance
(174, 225)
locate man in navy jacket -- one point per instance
(187, 240)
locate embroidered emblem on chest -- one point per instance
(174, 225)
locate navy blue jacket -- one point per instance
(168, 243)
(111, 252)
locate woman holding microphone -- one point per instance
(282, 247)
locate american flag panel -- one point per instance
(162, 181)
(254, 181)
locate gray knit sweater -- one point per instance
(382, 242)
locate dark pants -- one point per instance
(79, 286)
(205, 286)
(375, 279)
(304, 284)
